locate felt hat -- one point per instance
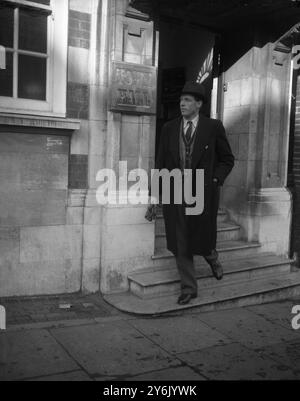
(193, 88)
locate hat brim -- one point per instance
(203, 98)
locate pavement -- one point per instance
(82, 338)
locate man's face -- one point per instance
(189, 106)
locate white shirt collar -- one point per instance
(194, 121)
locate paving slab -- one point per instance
(77, 376)
(22, 310)
(248, 328)
(278, 312)
(180, 334)
(29, 354)
(171, 374)
(285, 353)
(113, 349)
(236, 362)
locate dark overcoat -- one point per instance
(212, 153)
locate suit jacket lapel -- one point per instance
(201, 140)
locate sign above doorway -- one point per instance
(133, 88)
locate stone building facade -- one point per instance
(94, 90)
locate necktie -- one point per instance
(188, 133)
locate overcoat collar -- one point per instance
(201, 140)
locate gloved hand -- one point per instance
(151, 212)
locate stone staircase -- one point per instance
(251, 276)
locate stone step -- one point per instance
(227, 250)
(159, 282)
(160, 224)
(225, 232)
(248, 292)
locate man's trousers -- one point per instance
(184, 257)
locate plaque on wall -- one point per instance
(133, 88)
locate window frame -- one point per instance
(56, 76)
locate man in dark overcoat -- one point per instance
(194, 141)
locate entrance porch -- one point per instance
(234, 49)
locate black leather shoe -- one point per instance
(184, 299)
(216, 269)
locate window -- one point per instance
(34, 35)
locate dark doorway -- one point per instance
(293, 181)
(185, 54)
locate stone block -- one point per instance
(79, 29)
(96, 162)
(35, 278)
(34, 171)
(243, 68)
(131, 119)
(78, 65)
(74, 216)
(21, 143)
(98, 102)
(78, 171)
(126, 241)
(125, 216)
(130, 140)
(39, 244)
(80, 139)
(9, 245)
(237, 119)
(97, 137)
(232, 97)
(78, 100)
(243, 153)
(92, 215)
(90, 275)
(32, 207)
(79, 5)
(91, 241)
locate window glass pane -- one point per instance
(6, 26)
(33, 31)
(32, 77)
(6, 77)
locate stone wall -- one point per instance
(49, 232)
(40, 252)
(256, 116)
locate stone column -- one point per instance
(127, 237)
(256, 115)
(98, 127)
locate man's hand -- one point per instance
(151, 212)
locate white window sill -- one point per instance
(39, 121)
